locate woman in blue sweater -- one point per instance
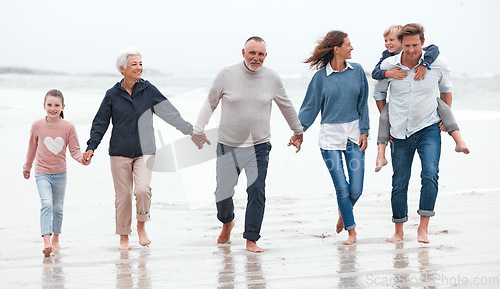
(339, 90)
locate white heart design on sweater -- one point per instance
(54, 145)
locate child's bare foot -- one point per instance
(55, 242)
(352, 238)
(340, 224)
(47, 251)
(381, 161)
(462, 148)
(124, 243)
(143, 235)
(225, 234)
(252, 247)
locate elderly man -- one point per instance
(246, 91)
(414, 126)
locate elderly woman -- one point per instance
(339, 90)
(130, 105)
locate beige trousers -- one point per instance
(131, 176)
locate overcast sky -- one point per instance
(205, 35)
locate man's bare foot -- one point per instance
(381, 161)
(225, 234)
(422, 235)
(47, 251)
(252, 247)
(143, 236)
(396, 238)
(398, 235)
(124, 243)
(352, 238)
(462, 148)
(422, 230)
(55, 242)
(340, 224)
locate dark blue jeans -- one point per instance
(230, 162)
(427, 143)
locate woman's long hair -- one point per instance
(323, 53)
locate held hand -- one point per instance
(363, 142)
(396, 73)
(200, 140)
(296, 141)
(87, 157)
(26, 174)
(442, 127)
(420, 72)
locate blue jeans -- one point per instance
(230, 162)
(348, 192)
(427, 142)
(51, 189)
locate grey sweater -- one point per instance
(246, 105)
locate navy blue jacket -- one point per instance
(431, 53)
(132, 119)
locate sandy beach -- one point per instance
(302, 248)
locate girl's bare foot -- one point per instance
(124, 243)
(462, 148)
(252, 247)
(143, 236)
(55, 242)
(340, 224)
(47, 251)
(381, 161)
(225, 234)
(352, 238)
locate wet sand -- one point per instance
(302, 248)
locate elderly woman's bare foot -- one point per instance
(252, 247)
(124, 243)
(143, 235)
(225, 234)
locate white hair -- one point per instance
(122, 58)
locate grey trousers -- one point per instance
(443, 110)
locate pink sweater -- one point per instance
(48, 142)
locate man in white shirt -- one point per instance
(414, 126)
(246, 92)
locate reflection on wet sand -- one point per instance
(52, 272)
(347, 264)
(401, 279)
(254, 277)
(428, 275)
(227, 271)
(253, 269)
(126, 273)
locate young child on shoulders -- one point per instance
(431, 52)
(49, 138)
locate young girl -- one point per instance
(49, 138)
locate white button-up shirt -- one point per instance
(334, 136)
(413, 104)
